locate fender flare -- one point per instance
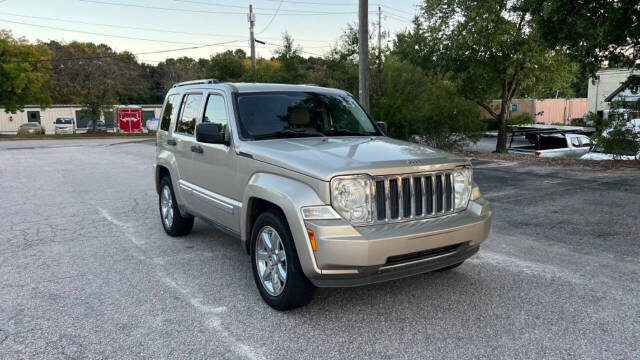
(290, 196)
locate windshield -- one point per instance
(64, 121)
(301, 114)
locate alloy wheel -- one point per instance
(271, 261)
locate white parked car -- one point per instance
(65, 125)
(596, 153)
(554, 145)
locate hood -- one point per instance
(324, 158)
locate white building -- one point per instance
(9, 122)
(608, 86)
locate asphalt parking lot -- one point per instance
(86, 271)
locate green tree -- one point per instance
(415, 103)
(24, 73)
(96, 77)
(594, 32)
(172, 71)
(226, 66)
(618, 137)
(290, 70)
(490, 47)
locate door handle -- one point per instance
(172, 142)
(196, 149)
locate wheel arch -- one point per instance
(161, 171)
(269, 191)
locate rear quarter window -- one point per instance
(169, 111)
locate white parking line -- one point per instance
(495, 164)
(212, 313)
(214, 321)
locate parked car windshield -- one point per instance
(272, 115)
(64, 121)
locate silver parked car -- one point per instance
(31, 128)
(311, 186)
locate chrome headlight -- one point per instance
(463, 184)
(351, 198)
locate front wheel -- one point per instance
(276, 268)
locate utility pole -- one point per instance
(379, 32)
(379, 60)
(363, 50)
(252, 20)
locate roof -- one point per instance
(256, 87)
(617, 91)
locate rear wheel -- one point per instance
(173, 222)
(276, 268)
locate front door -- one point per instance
(214, 172)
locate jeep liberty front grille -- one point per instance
(413, 196)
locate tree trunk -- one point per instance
(503, 119)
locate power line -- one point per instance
(272, 18)
(398, 18)
(398, 10)
(301, 50)
(297, 11)
(117, 26)
(101, 34)
(161, 8)
(313, 3)
(301, 13)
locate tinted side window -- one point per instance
(216, 112)
(170, 109)
(189, 115)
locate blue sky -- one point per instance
(184, 23)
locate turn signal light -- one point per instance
(312, 239)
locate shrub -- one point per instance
(415, 103)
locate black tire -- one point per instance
(297, 290)
(179, 225)
(450, 267)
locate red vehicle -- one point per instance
(127, 118)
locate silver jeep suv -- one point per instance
(314, 190)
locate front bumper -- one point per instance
(351, 256)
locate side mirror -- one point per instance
(209, 133)
(383, 126)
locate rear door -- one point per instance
(213, 169)
(184, 139)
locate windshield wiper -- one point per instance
(346, 132)
(287, 134)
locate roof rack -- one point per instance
(197, 82)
